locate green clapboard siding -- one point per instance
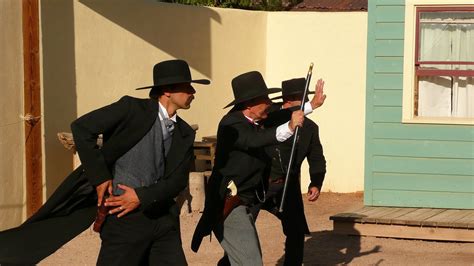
(423, 132)
(387, 114)
(426, 199)
(390, 13)
(421, 182)
(387, 98)
(388, 81)
(414, 165)
(389, 2)
(371, 36)
(389, 64)
(389, 30)
(408, 165)
(424, 148)
(389, 48)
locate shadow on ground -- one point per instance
(327, 248)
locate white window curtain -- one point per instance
(446, 96)
(463, 97)
(434, 97)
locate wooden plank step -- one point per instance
(391, 217)
(350, 213)
(466, 221)
(416, 217)
(383, 211)
(444, 219)
(406, 232)
(355, 215)
(409, 216)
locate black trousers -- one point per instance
(294, 243)
(294, 232)
(136, 239)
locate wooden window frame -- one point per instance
(412, 69)
(438, 72)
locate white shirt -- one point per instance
(163, 110)
(283, 131)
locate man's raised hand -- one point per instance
(319, 96)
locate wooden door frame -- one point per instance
(32, 106)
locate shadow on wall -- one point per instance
(328, 248)
(187, 37)
(59, 86)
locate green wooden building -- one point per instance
(420, 104)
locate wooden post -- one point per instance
(32, 100)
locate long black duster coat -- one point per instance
(308, 147)
(72, 207)
(240, 157)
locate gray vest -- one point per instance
(144, 164)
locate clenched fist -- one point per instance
(297, 118)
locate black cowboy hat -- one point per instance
(249, 86)
(172, 72)
(293, 87)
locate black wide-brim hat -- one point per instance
(173, 72)
(293, 87)
(249, 86)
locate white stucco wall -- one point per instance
(336, 43)
(115, 52)
(94, 52)
(102, 50)
(12, 198)
(116, 46)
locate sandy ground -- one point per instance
(321, 248)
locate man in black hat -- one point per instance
(237, 181)
(142, 166)
(308, 147)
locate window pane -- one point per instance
(434, 96)
(463, 97)
(445, 97)
(447, 36)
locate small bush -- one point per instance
(267, 5)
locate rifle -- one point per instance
(295, 139)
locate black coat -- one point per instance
(72, 207)
(239, 157)
(308, 147)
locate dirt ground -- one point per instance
(321, 248)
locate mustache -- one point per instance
(190, 99)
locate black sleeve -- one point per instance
(86, 130)
(244, 136)
(277, 117)
(316, 161)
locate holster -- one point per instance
(102, 212)
(230, 203)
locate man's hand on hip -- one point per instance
(101, 189)
(124, 203)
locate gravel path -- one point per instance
(321, 248)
